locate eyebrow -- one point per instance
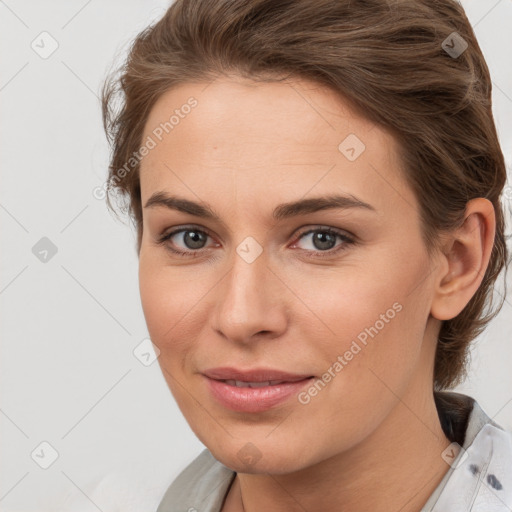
(280, 212)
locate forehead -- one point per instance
(266, 139)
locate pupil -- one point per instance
(194, 241)
(324, 240)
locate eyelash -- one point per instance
(316, 254)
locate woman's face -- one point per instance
(335, 290)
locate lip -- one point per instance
(253, 375)
(253, 400)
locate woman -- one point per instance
(316, 190)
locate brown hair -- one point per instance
(387, 57)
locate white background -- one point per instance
(70, 325)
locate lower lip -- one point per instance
(254, 399)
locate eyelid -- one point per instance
(166, 235)
(346, 240)
(322, 227)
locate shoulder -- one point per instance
(480, 476)
(201, 486)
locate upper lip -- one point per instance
(253, 375)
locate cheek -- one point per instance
(164, 300)
(174, 302)
(154, 299)
(373, 345)
(165, 307)
(373, 319)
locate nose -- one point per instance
(250, 302)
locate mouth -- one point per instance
(243, 384)
(255, 390)
(268, 376)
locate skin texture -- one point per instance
(371, 438)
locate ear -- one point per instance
(464, 260)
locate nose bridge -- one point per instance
(245, 306)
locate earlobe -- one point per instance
(466, 256)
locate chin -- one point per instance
(258, 458)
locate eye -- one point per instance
(185, 241)
(323, 240)
(320, 241)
